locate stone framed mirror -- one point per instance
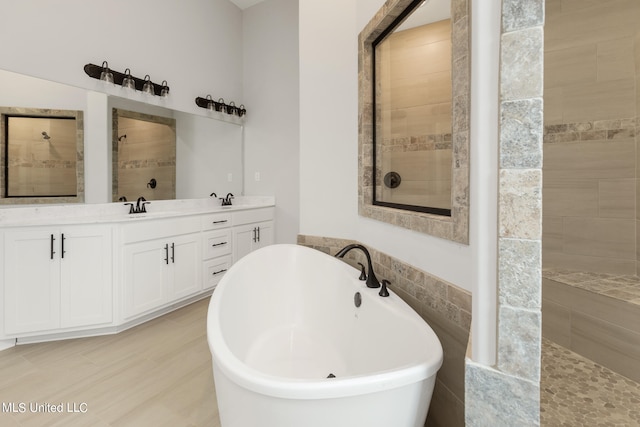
(42, 157)
(143, 156)
(425, 136)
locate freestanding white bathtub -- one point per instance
(283, 319)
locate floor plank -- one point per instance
(156, 374)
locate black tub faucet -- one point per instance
(372, 280)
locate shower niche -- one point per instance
(144, 156)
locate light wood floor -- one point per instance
(156, 374)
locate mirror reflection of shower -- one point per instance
(144, 146)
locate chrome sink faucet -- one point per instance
(372, 280)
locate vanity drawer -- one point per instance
(216, 243)
(214, 269)
(252, 215)
(141, 228)
(216, 220)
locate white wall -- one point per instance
(195, 45)
(329, 135)
(272, 123)
(329, 160)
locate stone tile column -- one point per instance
(508, 394)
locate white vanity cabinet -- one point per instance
(57, 278)
(252, 229)
(94, 269)
(161, 262)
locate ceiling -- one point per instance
(243, 4)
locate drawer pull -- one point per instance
(218, 272)
(219, 244)
(220, 222)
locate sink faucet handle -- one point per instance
(131, 208)
(363, 274)
(383, 289)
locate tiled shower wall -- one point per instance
(592, 71)
(443, 305)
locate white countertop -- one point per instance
(14, 216)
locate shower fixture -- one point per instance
(45, 136)
(121, 137)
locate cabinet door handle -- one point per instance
(255, 234)
(166, 253)
(218, 244)
(220, 222)
(258, 234)
(62, 246)
(173, 253)
(52, 251)
(219, 271)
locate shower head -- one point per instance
(121, 137)
(45, 135)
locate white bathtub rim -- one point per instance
(303, 388)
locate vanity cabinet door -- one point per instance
(86, 285)
(31, 282)
(159, 272)
(249, 237)
(145, 276)
(57, 279)
(185, 266)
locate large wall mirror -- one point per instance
(195, 155)
(42, 156)
(144, 156)
(414, 116)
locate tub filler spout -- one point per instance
(372, 280)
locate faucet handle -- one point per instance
(363, 274)
(131, 209)
(383, 290)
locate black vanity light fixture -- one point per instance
(126, 80)
(221, 106)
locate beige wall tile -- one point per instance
(603, 237)
(596, 264)
(607, 309)
(569, 197)
(552, 231)
(590, 160)
(616, 59)
(570, 66)
(599, 101)
(556, 322)
(553, 105)
(607, 344)
(616, 198)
